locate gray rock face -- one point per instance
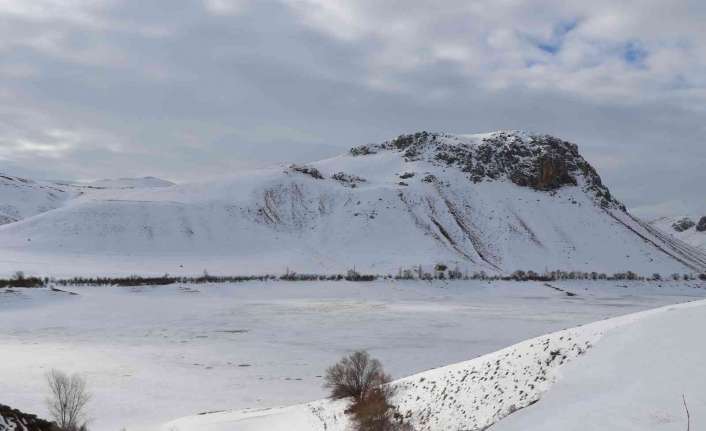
(683, 224)
(12, 419)
(541, 162)
(307, 170)
(701, 225)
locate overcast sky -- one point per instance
(197, 89)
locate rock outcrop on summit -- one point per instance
(541, 162)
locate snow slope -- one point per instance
(21, 197)
(129, 183)
(496, 202)
(636, 378)
(625, 373)
(691, 236)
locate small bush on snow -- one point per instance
(363, 380)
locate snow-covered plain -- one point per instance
(155, 354)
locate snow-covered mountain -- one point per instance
(691, 230)
(495, 202)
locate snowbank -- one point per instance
(623, 373)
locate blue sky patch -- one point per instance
(553, 45)
(635, 54)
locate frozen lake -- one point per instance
(152, 354)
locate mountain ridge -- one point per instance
(494, 202)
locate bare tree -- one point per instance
(688, 416)
(355, 376)
(363, 380)
(68, 399)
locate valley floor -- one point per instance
(152, 354)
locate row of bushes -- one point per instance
(166, 279)
(19, 280)
(441, 272)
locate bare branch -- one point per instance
(688, 417)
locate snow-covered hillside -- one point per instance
(637, 378)
(21, 197)
(495, 202)
(691, 230)
(129, 183)
(626, 373)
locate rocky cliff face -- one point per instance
(683, 224)
(541, 162)
(701, 225)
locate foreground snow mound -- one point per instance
(638, 378)
(479, 393)
(496, 202)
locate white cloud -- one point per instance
(497, 43)
(225, 7)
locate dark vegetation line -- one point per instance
(441, 272)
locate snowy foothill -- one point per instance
(154, 354)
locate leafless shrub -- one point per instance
(362, 378)
(354, 376)
(376, 413)
(68, 399)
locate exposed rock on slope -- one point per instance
(683, 224)
(684, 229)
(701, 226)
(14, 420)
